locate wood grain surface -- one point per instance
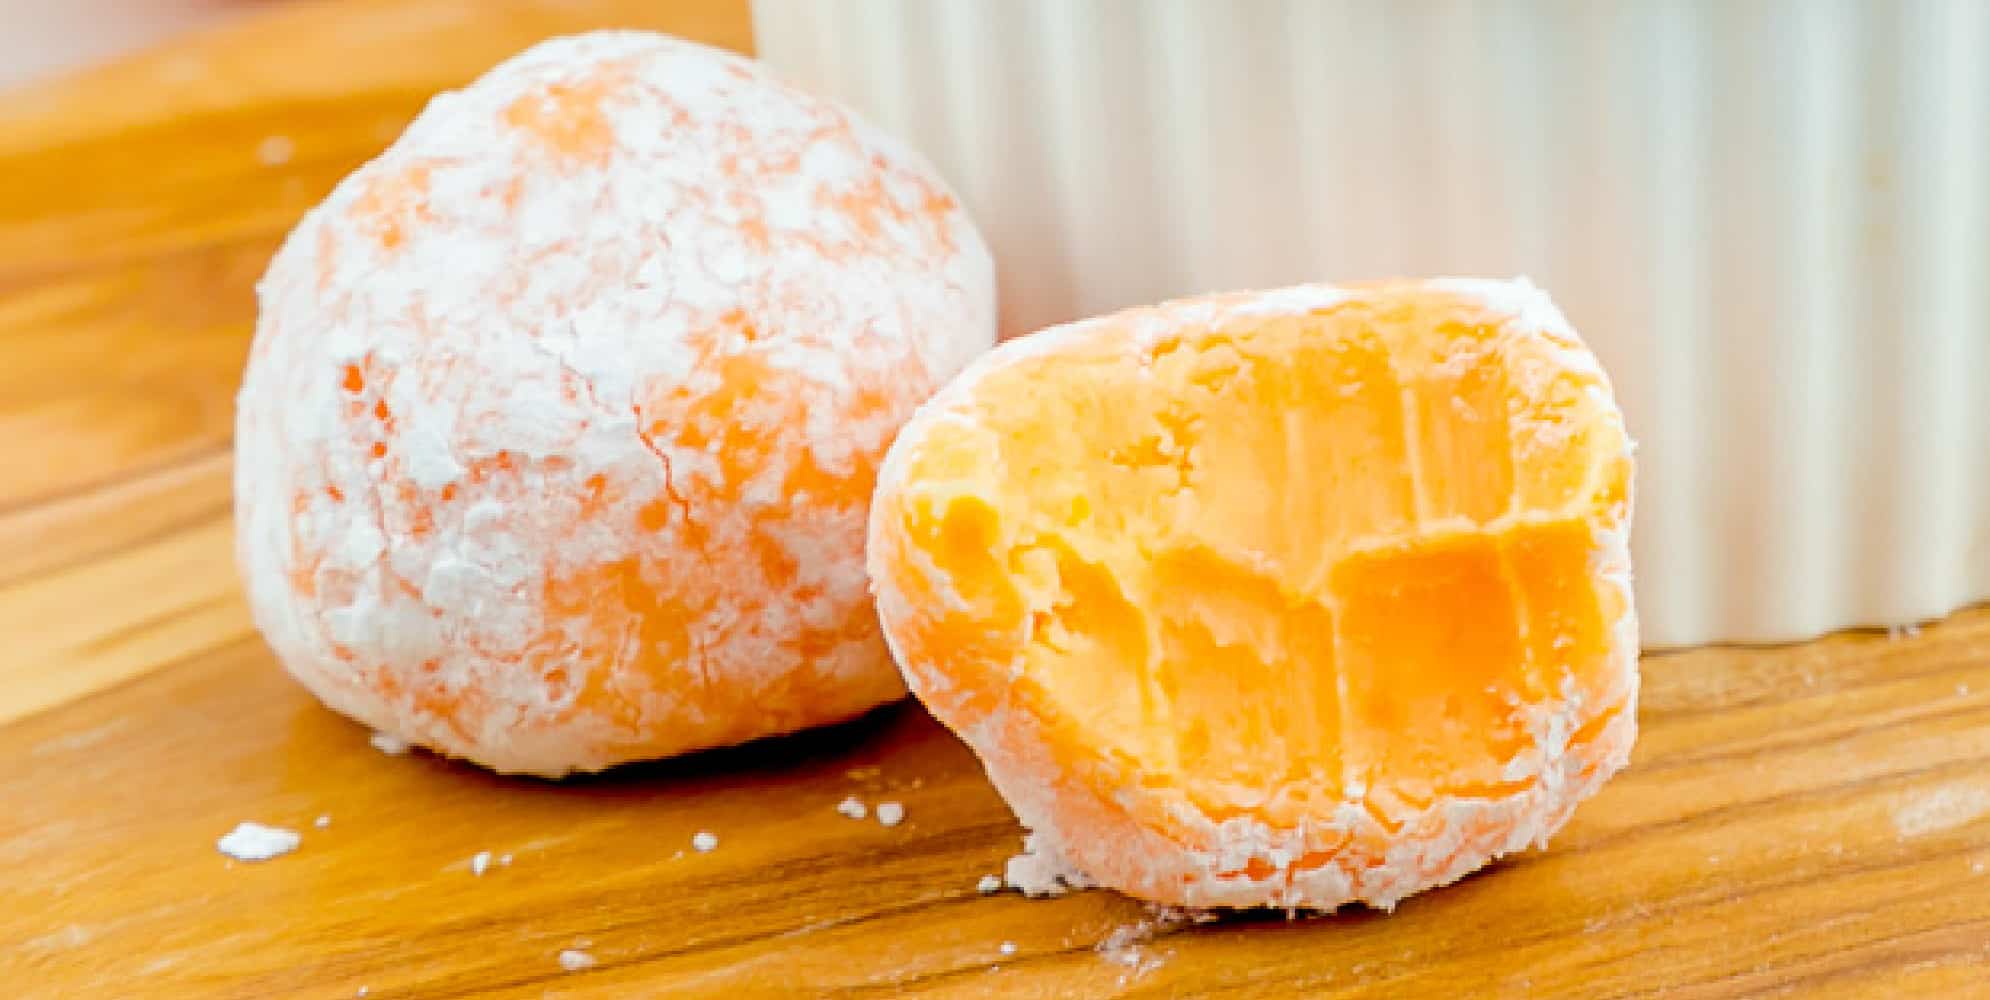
(1809, 821)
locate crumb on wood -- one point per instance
(891, 813)
(704, 840)
(275, 150)
(389, 744)
(852, 807)
(574, 960)
(1040, 870)
(256, 842)
(1127, 945)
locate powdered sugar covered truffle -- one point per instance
(562, 416)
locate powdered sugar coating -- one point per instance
(560, 423)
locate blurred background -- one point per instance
(40, 39)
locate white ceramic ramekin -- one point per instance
(1771, 219)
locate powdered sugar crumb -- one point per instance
(480, 862)
(989, 885)
(504, 860)
(1007, 948)
(275, 150)
(852, 807)
(256, 842)
(1041, 871)
(705, 840)
(1127, 945)
(391, 745)
(575, 960)
(891, 813)
(322, 821)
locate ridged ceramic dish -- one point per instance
(1771, 220)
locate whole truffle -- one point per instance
(560, 425)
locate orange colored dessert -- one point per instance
(1289, 598)
(562, 418)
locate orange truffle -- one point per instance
(1289, 598)
(562, 417)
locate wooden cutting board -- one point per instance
(1811, 820)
